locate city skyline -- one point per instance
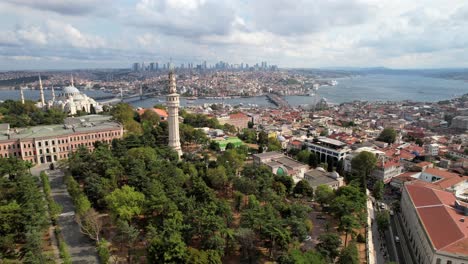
(57, 34)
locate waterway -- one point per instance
(374, 87)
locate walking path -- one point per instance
(81, 248)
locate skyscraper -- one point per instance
(172, 103)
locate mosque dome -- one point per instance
(70, 90)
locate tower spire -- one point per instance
(41, 89)
(72, 83)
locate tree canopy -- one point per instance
(388, 135)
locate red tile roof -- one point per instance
(423, 164)
(441, 173)
(238, 116)
(439, 218)
(160, 112)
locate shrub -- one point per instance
(103, 251)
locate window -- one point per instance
(40, 151)
(53, 142)
(39, 144)
(438, 261)
(449, 262)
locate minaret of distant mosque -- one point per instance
(53, 94)
(172, 103)
(22, 95)
(41, 90)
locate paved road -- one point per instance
(404, 251)
(81, 248)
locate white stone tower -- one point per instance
(22, 95)
(172, 103)
(53, 94)
(41, 90)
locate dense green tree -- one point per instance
(349, 254)
(378, 190)
(303, 156)
(124, 203)
(387, 135)
(28, 114)
(348, 223)
(362, 165)
(303, 188)
(324, 194)
(262, 138)
(348, 200)
(313, 160)
(328, 246)
(151, 117)
(298, 257)
(383, 220)
(286, 181)
(248, 135)
(124, 113)
(274, 144)
(217, 177)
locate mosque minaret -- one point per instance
(41, 90)
(172, 103)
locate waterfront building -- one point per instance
(172, 103)
(50, 143)
(71, 100)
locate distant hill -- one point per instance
(20, 81)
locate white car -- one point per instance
(308, 238)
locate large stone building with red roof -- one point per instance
(434, 208)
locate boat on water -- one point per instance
(192, 98)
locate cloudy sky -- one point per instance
(56, 34)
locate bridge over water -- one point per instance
(277, 100)
(109, 99)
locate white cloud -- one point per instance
(32, 35)
(397, 33)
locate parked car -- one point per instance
(397, 239)
(308, 238)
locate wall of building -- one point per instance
(418, 239)
(52, 149)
